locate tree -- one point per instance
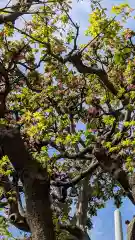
(50, 87)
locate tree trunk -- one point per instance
(82, 205)
(35, 181)
(38, 208)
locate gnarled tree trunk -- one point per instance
(82, 207)
(36, 184)
(38, 208)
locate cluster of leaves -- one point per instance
(5, 234)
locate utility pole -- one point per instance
(118, 225)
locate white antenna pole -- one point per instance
(118, 225)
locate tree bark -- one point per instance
(35, 181)
(38, 208)
(82, 205)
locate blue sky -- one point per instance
(104, 222)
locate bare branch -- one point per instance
(78, 178)
(79, 155)
(77, 62)
(113, 166)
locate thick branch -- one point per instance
(82, 204)
(11, 17)
(113, 166)
(77, 62)
(75, 180)
(13, 146)
(79, 155)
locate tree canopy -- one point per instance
(67, 117)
